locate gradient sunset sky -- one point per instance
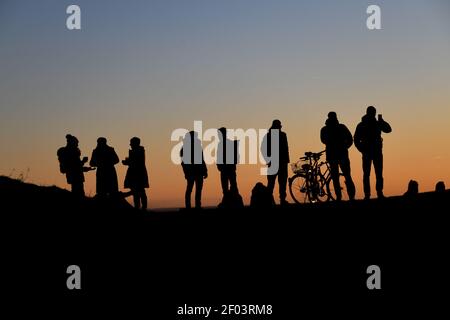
(145, 68)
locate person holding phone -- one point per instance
(368, 141)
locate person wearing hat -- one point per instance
(72, 166)
(368, 141)
(338, 139)
(282, 157)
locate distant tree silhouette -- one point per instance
(368, 141)
(104, 158)
(72, 166)
(227, 159)
(194, 168)
(136, 178)
(283, 159)
(338, 139)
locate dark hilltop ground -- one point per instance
(296, 258)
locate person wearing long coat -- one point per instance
(136, 177)
(104, 158)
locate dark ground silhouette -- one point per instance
(291, 257)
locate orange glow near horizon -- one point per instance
(149, 68)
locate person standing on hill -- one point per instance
(338, 139)
(194, 168)
(104, 158)
(282, 157)
(368, 141)
(227, 159)
(72, 166)
(136, 177)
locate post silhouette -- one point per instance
(368, 141)
(72, 166)
(283, 160)
(338, 139)
(136, 178)
(194, 168)
(440, 187)
(104, 158)
(413, 189)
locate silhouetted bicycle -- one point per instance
(312, 179)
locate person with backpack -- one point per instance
(368, 141)
(338, 139)
(72, 166)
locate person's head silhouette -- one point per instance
(332, 119)
(276, 124)
(72, 141)
(222, 133)
(371, 111)
(135, 142)
(101, 142)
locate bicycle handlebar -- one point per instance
(309, 155)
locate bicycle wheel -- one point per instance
(298, 188)
(321, 190)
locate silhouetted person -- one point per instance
(413, 189)
(338, 139)
(369, 142)
(283, 160)
(104, 158)
(136, 178)
(227, 158)
(194, 168)
(440, 187)
(72, 166)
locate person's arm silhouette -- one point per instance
(348, 139)
(384, 126)
(115, 157)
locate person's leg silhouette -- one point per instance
(378, 166)
(282, 182)
(198, 192)
(233, 181)
(271, 182)
(187, 196)
(224, 181)
(346, 171)
(334, 171)
(367, 166)
(143, 197)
